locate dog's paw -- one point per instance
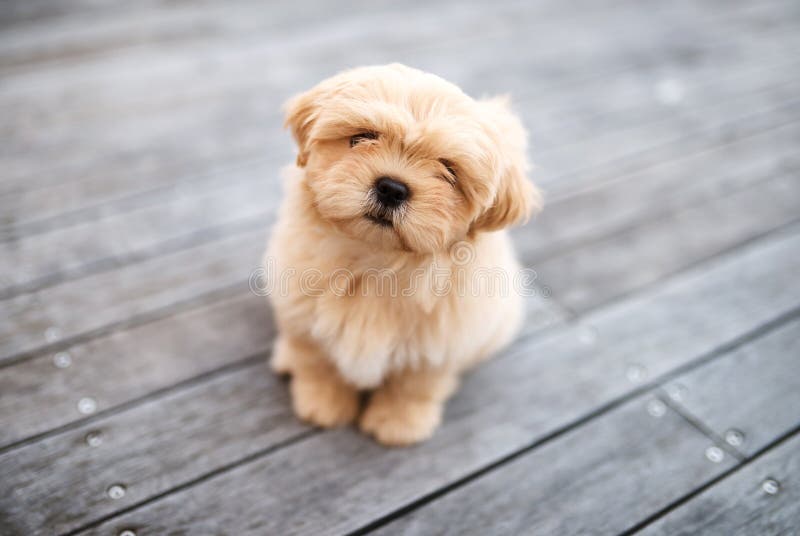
(325, 403)
(281, 360)
(397, 422)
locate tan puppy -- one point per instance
(392, 220)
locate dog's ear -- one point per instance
(516, 197)
(301, 112)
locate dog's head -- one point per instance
(405, 160)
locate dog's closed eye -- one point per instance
(363, 136)
(451, 171)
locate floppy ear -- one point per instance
(516, 197)
(301, 112)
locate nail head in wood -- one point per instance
(734, 437)
(116, 491)
(715, 454)
(62, 360)
(87, 405)
(771, 486)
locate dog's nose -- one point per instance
(391, 193)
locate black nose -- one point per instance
(391, 192)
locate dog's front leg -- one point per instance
(408, 407)
(319, 394)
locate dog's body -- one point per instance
(389, 247)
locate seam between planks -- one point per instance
(597, 412)
(197, 301)
(163, 392)
(692, 265)
(297, 438)
(713, 482)
(701, 426)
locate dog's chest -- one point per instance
(369, 331)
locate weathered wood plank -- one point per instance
(62, 481)
(739, 504)
(643, 462)
(620, 457)
(245, 200)
(91, 304)
(599, 207)
(78, 32)
(39, 396)
(345, 481)
(755, 391)
(700, 22)
(585, 277)
(185, 142)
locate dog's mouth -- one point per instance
(380, 219)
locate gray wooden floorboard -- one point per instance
(750, 397)
(61, 482)
(144, 359)
(566, 481)
(586, 277)
(139, 175)
(642, 461)
(739, 505)
(345, 480)
(170, 143)
(77, 308)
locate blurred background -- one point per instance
(654, 386)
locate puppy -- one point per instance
(393, 216)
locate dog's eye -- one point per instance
(448, 165)
(358, 138)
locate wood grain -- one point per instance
(643, 462)
(751, 391)
(739, 505)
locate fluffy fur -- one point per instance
(342, 328)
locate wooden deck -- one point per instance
(656, 387)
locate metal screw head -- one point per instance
(771, 486)
(734, 437)
(116, 491)
(715, 454)
(94, 438)
(52, 334)
(62, 360)
(656, 408)
(87, 405)
(127, 532)
(676, 392)
(635, 373)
